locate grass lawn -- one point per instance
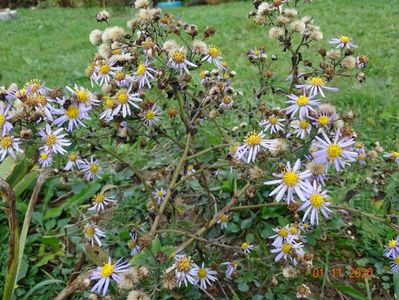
(53, 45)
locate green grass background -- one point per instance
(52, 44)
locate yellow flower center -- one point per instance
(43, 155)
(317, 81)
(132, 244)
(227, 99)
(82, 96)
(395, 154)
(333, 151)
(302, 100)
(253, 139)
(99, 198)
(392, 244)
(178, 57)
(286, 248)
(6, 142)
(202, 273)
(283, 232)
(183, 264)
(2, 119)
(396, 259)
(72, 157)
(93, 168)
(290, 178)
(122, 97)
(108, 102)
(90, 69)
(190, 168)
(316, 200)
(116, 51)
(41, 100)
(294, 230)
(273, 120)
(224, 218)
(104, 69)
(160, 194)
(150, 115)
(303, 124)
(256, 52)
(72, 112)
(141, 69)
(344, 39)
(51, 140)
(362, 156)
(90, 231)
(120, 75)
(323, 120)
(214, 52)
(107, 270)
(244, 246)
(20, 93)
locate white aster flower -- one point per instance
(183, 267)
(253, 143)
(223, 221)
(303, 104)
(93, 234)
(392, 248)
(301, 128)
(101, 200)
(83, 96)
(214, 57)
(124, 99)
(231, 268)
(107, 272)
(204, 276)
(122, 79)
(291, 181)
(273, 124)
(5, 115)
(324, 118)
(73, 114)
(227, 102)
(45, 159)
(177, 61)
(394, 155)
(103, 72)
(337, 151)
(288, 251)
(151, 116)
(316, 85)
(247, 247)
(395, 264)
(343, 41)
(282, 235)
(91, 169)
(315, 204)
(144, 73)
(73, 161)
(8, 145)
(133, 245)
(54, 141)
(159, 195)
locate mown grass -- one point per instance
(53, 45)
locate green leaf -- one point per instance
(6, 167)
(53, 213)
(355, 294)
(156, 246)
(243, 287)
(41, 284)
(25, 182)
(396, 284)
